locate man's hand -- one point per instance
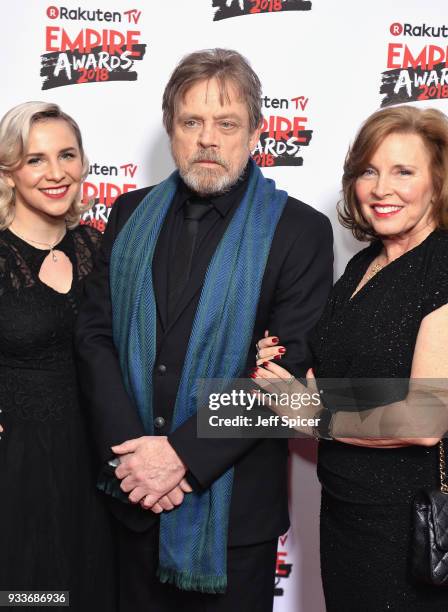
(149, 468)
(170, 500)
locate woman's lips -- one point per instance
(382, 210)
(55, 193)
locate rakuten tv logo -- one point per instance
(102, 187)
(79, 14)
(284, 132)
(407, 29)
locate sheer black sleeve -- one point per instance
(436, 282)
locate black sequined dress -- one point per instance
(366, 492)
(54, 531)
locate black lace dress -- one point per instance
(367, 492)
(54, 531)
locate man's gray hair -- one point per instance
(225, 65)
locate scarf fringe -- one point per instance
(188, 581)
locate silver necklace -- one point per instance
(46, 244)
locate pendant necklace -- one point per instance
(374, 270)
(45, 244)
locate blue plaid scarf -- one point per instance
(193, 536)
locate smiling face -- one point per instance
(395, 191)
(211, 140)
(49, 178)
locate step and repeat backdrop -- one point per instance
(325, 66)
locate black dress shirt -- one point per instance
(211, 227)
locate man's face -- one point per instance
(211, 142)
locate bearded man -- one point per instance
(190, 274)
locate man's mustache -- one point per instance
(209, 156)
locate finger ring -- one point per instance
(290, 380)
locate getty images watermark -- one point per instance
(248, 401)
(343, 408)
(238, 410)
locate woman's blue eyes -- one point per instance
(33, 161)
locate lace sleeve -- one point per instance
(436, 281)
(87, 242)
(11, 277)
(3, 274)
(92, 235)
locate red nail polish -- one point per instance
(252, 376)
(266, 364)
(282, 350)
(275, 340)
(278, 357)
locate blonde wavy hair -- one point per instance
(14, 135)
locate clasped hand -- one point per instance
(152, 473)
(278, 383)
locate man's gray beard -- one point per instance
(204, 181)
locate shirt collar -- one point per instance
(221, 202)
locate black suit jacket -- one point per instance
(296, 283)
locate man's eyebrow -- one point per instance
(228, 116)
(186, 114)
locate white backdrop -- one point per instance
(324, 65)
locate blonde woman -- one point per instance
(54, 535)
